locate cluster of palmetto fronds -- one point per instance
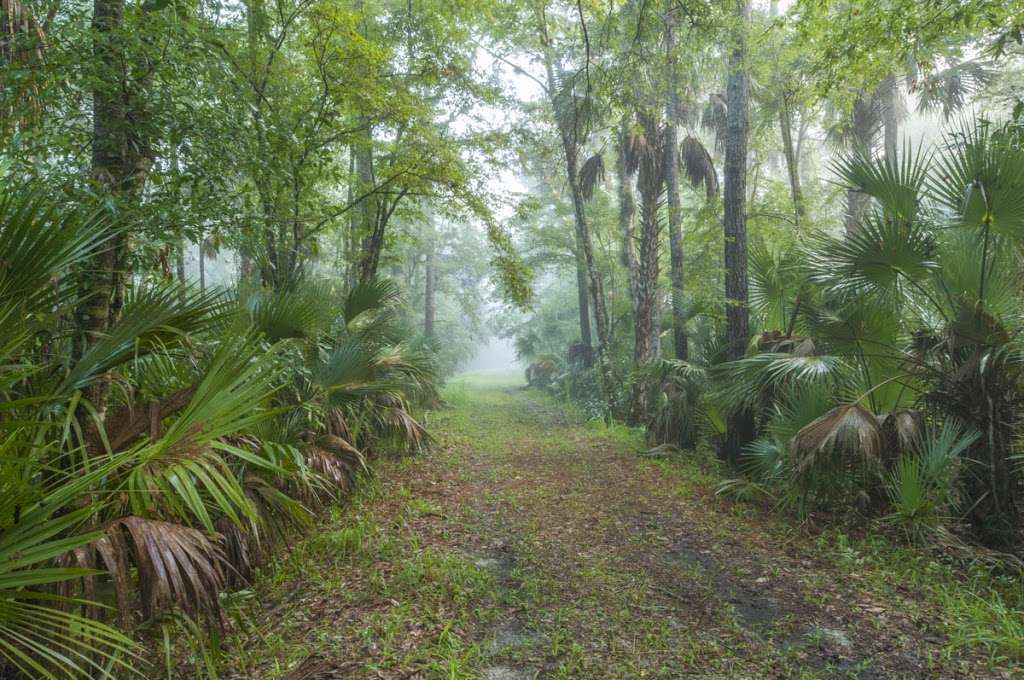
(233, 417)
(889, 372)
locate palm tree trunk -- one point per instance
(740, 426)
(627, 213)
(675, 216)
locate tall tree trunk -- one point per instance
(864, 127)
(369, 208)
(202, 266)
(650, 181)
(889, 94)
(593, 281)
(179, 261)
(740, 426)
(792, 159)
(121, 160)
(570, 136)
(429, 308)
(583, 303)
(675, 215)
(627, 213)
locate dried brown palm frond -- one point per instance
(634, 149)
(336, 460)
(239, 551)
(337, 424)
(777, 342)
(698, 165)
(396, 421)
(282, 511)
(688, 113)
(902, 431)
(849, 432)
(157, 566)
(591, 174)
(714, 116)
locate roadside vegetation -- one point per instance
(762, 263)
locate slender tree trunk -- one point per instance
(675, 212)
(740, 427)
(429, 308)
(593, 278)
(202, 267)
(369, 208)
(179, 261)
(627, 213)
(569, 133)
(583, 304)
(792, 160)
(890, 96)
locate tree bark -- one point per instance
(179, 261)
(864, 128)
(627, 213)
(583, 303)
(890, 99)
(675, 215)
(570, 137)
(121, 160)
(429, 308)
(202, 266)
(740, 426)
(792, 160)
(370, 232)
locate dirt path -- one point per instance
(528, 545)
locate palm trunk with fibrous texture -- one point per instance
(740, 426)
(627, 212)
(648, 157)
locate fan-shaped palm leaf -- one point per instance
(894, 182)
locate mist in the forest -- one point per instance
(495, 354)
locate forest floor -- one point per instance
(530, 544)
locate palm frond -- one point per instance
(154, 319)
(949, 91)
(698, 165)
(894, 182)
(848, 432)
(591, 175)
(369, 296)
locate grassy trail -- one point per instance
(527, 544)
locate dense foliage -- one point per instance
(241, 243)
